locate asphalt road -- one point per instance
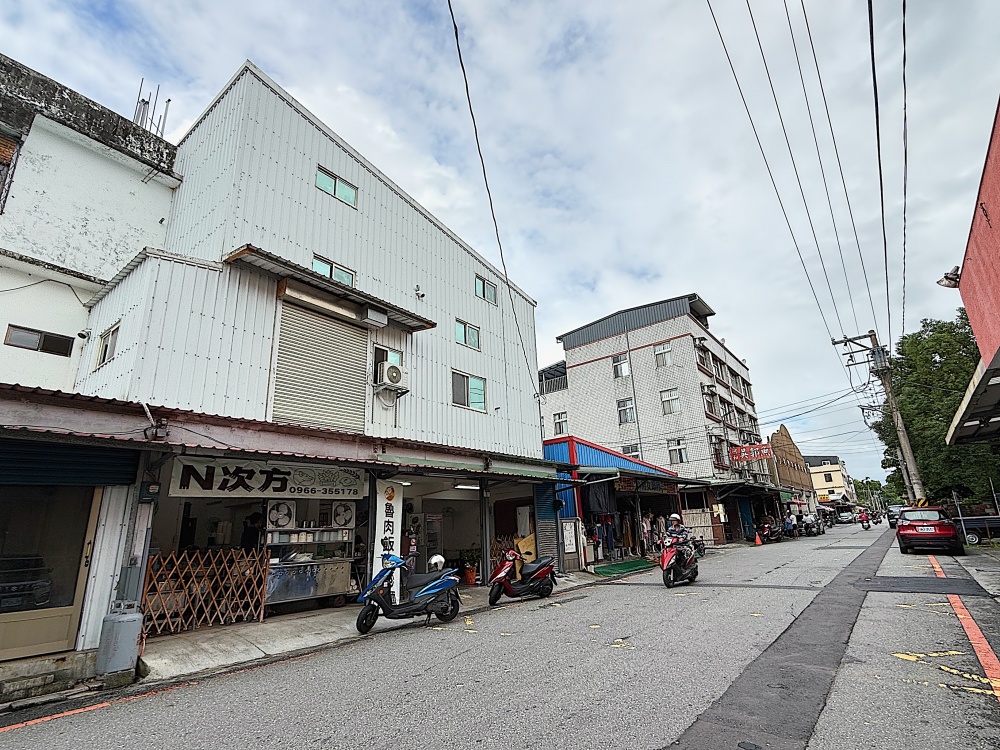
(783, 646)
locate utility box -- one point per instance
(121, 634)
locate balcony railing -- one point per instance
(554, 384)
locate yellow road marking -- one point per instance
(922, 659)
(594, 627)
(756, 614)
(620, 643)
(471, 631)
(468, 620)
(506, 634)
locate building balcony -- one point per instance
(554, 384)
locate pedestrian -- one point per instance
(252, 526)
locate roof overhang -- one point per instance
(978, 416)
(279, 267)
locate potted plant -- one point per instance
(470, 565)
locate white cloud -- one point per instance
(621, 161)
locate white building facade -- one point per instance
(654, 383)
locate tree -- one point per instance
(930, 372)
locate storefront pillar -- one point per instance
(486, 531)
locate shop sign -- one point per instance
(388, 526)
(629, 484)
(786, 495)
(234, 477)
(569, 537)
(824, 498)
(739, 453)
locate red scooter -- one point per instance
(537, 578)
(678, 562)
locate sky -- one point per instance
(623, 166)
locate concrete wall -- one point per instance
(80, 204)
(40, 300)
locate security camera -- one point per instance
(84, 334)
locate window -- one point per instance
(631, 450)
(704, 358)
(719, 452)
(39, 341)
(106, 346)
(626, 411)
(720, 370)
(335, 186)
(486, 290)
(468, 391)
(664, 354)
(466, 334)
(382, 354)
(728, 412)
(670, 401)
(827, 463)
(746, 390)
(332, 271)
(620, 365)
(561, 426)
(678, 451)
(710, 406)
(828, 477)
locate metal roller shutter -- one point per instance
(321, 376)
(37, 463)
(546, 529)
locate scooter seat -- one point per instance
(529, 569)
(419, 580)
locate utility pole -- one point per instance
(906, 476)
(878, 359)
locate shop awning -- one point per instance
(284, 269)
(978, 416)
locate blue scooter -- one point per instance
(420, 594)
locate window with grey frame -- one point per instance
(677, 451)
(107, 345)
(670, 400)
(468, 391)
(620, 367)
(467, 334)
(663, 354)
(39, 341)
(626, 411)
(560, 424)
(632, 450)
(336, 186)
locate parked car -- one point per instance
(928, 527)
(845, 517)
(892, 514)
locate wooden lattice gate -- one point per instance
(187, 590)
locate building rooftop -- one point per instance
(818, 460)
(634, 318)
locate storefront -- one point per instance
(59, 504)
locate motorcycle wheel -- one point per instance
(545, 590)
(452, 613)
(367, 617)
(496, 591)
(669, 578)
(694, 576)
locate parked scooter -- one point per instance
(536, 578)
(678, 562)
(428, 594)
(769, 533)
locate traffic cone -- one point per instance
(757, 540)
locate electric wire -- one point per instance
(770, 173)
(532, 371)
(822, 169)
(881, 178)
(840, 166)
(902, 331)
(795, 169)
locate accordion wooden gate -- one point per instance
(188, 590)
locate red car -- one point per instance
(928, 527)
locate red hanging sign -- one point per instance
(740, 453)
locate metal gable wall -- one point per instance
(589, 456)
(321, 373)
(627, 320)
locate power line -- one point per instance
(795, 170)
(840, 166)
(770, 173)
(532, 372)
(881, 179)
(905, 169)
(822, 169)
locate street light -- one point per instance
(950, 280)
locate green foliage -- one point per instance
(930, 373)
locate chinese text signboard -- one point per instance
(233, 477)
(388, 526)
(739, 453)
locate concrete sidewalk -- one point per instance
(224, 647)
(983, 564)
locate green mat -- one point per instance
(623, 567)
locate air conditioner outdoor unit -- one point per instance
(392, 377)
